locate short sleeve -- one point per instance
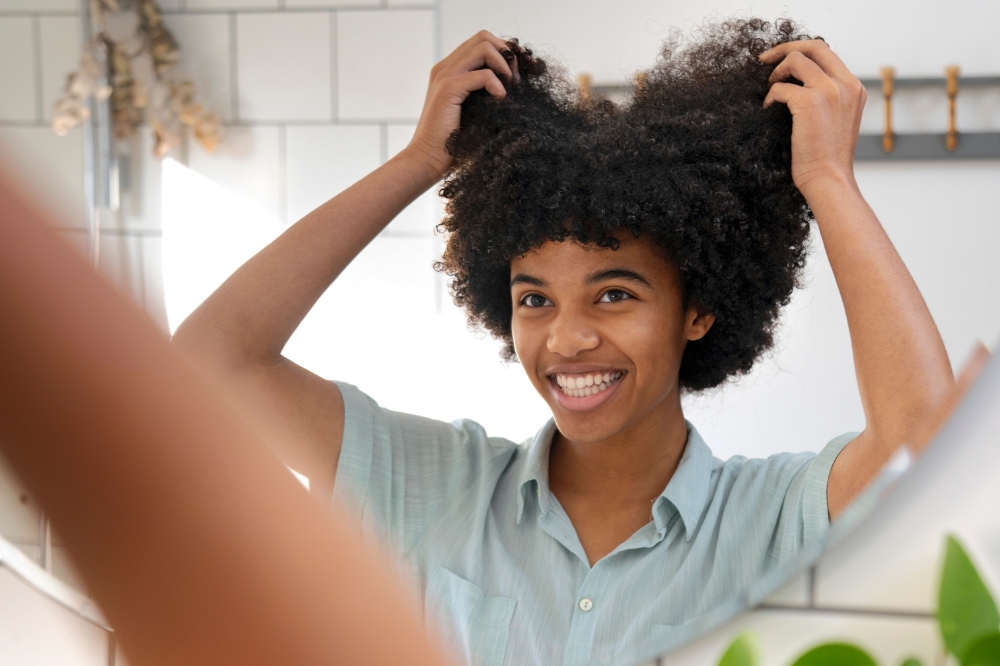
(804, 520)
(397, 470)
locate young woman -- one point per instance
(622, 255)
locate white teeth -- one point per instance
(580, 386)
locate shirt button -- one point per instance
(586, 604)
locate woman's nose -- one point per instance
(571, 334)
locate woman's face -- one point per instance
(601, 333)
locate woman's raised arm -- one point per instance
(239, 332)
(900, 360)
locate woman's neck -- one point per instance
(633, 465)
(607, 488)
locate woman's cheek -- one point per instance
(653, 340)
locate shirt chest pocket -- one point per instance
(472, 623)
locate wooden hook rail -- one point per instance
(890, 145)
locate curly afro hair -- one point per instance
(691, 161)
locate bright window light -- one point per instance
(386, 324)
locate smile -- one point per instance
(586, 385)
(584, 391)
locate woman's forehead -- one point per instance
(570, 259)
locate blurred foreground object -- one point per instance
(198, 545)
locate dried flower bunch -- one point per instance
(141, 55)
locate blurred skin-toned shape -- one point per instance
(196, 542)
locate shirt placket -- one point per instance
(588, 609)
(588, 603)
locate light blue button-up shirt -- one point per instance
(500, 567)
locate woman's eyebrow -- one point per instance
(524, 278)
(617, 274)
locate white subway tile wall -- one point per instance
(17, 73)
(333, 3)
(247, 162)
(36, 630)
(71, 6)
(326, 159)
(229, 4)
(206, 44)
(50, 167)
(19, 514)
(59, 54)
(428, 206)
(140, 193)
(294, 86)
(384, 59)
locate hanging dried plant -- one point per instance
(141, 55)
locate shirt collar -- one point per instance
(536, 469)
(686, 492)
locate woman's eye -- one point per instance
(535, 301)
(614, 296)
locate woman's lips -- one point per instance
(578, 403)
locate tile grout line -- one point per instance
(440, 282)
(383, 142)
(438, 22)
(118, 233)
(36, 37)
(876, 612)
(234, 88)
(276, 10)
(141, 260)
(362, 122)
(334, 74)
(184, 156)
(23, 123)
(283, 173)
(20, 13)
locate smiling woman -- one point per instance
(623, 255)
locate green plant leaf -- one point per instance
(984, 652)
(744, 651)
(835, 654)
(966, 611)
(912, 661)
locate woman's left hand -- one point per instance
(826, 110)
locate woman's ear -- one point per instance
(697, 324)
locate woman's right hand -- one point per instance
(478, 63)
